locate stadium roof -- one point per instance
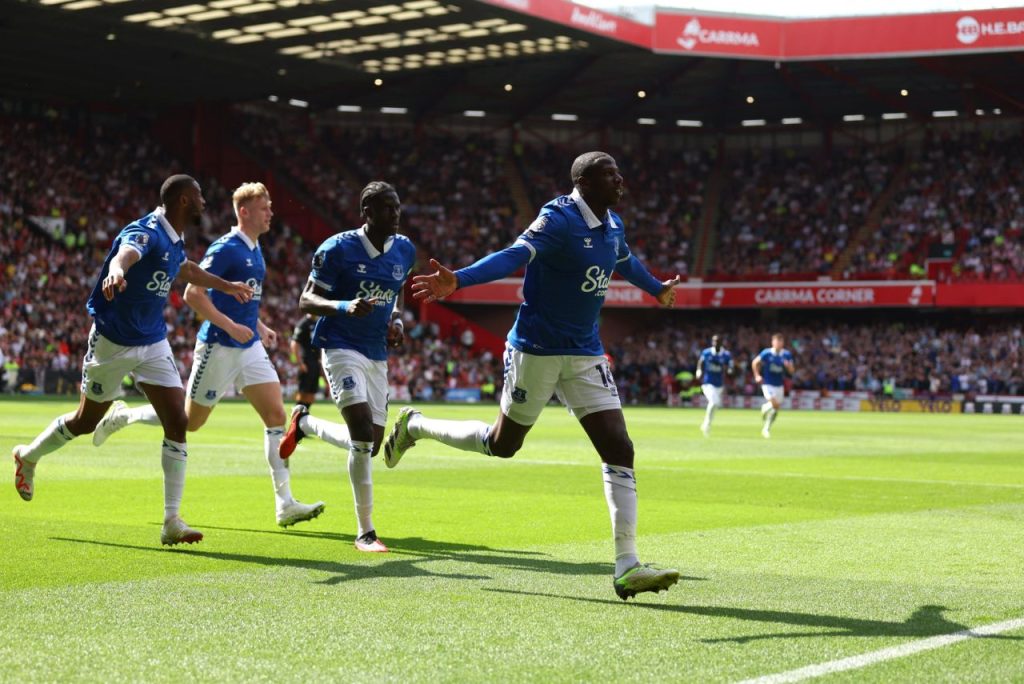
(439, 58)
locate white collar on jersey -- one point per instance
(588, 214)
(161, 216)
(370, 249)
(236, 230)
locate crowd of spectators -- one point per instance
(57, 220)
(924, 359)
(783, 213)
(962, 192)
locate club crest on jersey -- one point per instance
(360, 268)
(348, 382)
(519, 395)
(398, 272)
(588, 243)
(141, 239)
(537, 226)
(211, 395)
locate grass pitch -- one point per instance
(843, 535)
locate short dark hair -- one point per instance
(778, 335)
(173, 187)
(372, 189)
(585, 162)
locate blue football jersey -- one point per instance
(234, 257)
(772, 368)
(135, 317)
(348, 266)
(573, 256)
(714, 364)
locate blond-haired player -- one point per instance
(227, 353)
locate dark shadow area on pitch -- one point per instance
(402, 562)
(431, 550)
(926, 621)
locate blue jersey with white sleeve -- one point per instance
(234, 257)
(570, 256)
(714, 365)
(773, 369)
(135, 317)
(348, 266)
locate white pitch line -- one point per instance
(865, 659)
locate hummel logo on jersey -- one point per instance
(166, 257)
(248, 262)
(588, 243)
(361, 268)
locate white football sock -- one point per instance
(173, 458)
(620, 492)
(278, 471)
(332, 433)
(709, 414)
(361, 476)
(466, 435)
(145, 414)
(52, 438)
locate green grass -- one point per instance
(844, 534)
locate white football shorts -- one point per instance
(216, 367)
(584, 384)
(106, 363)
(777, 392)
(713, 394)
(355, 379)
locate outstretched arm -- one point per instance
(636, 273)
(442, 282)
(194, 275)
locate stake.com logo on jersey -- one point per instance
(596, 281)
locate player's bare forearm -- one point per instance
(312, 302)
(196, 297)
(114, 281)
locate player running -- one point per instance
(129, 336)
(308, 357)
(714, 363)
(227, 352)
(356, 287)
(570, 252)
(770, 367)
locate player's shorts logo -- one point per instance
(348, 382)
(519, 395)
(318, 260)
(211, 395)
(96, 388)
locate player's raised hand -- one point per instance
(667, 296)
(113, 283)
(240, 291)
(360, 308)
(240, 333)
(437, 285)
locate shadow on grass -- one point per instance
(403, 561)
(926, 621)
